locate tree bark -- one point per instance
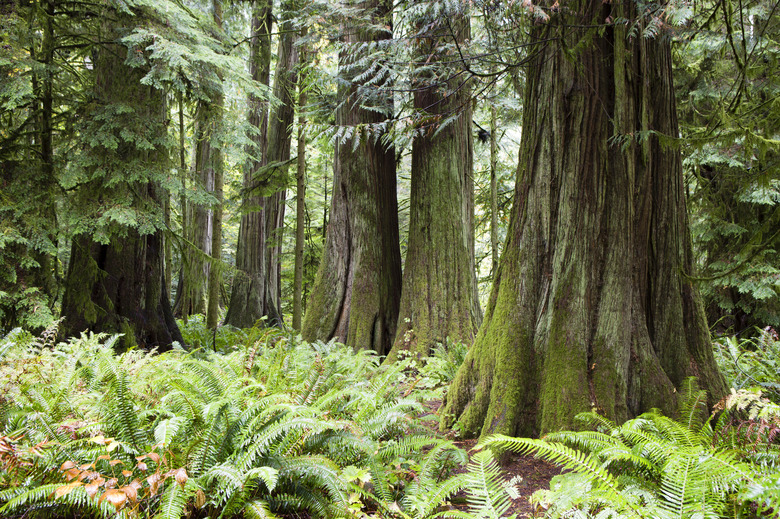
(117, 285)
(590, 307)
(439, 298)
(300, 195)
(217, 167)
(257, 284)
(356, 292)
(493, 193)
(193, 283)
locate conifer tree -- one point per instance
(116, 277)
(355, 294)
(590, 308)
(439, 299)
(257, 284)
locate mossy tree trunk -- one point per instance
(356, 292)
(117, 284)
(590, 307)
(439, 298)
(257, 283)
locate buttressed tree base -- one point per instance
(591, 307)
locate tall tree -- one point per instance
(300, 189)
(191, 292)
(591, 307)
(217, 167)
(203, 229)
(257, 284)
(439, 298)
(356, 292)
(116, 274)
(28, 214)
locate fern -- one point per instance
(175, 498)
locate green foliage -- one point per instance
(655, 466)
(272, 426)
(752, 362)
(727, 81)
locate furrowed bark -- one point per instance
(590, 308)
(355, 294)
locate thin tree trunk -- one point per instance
(182, 205)
(197, 249)
(355, 295)
(300, 196)
(590, 307)
(439, 299)
(45, 254)
(218, 167)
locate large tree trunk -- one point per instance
(590, 307)
(117, 285)
(257, 287)
(356, 292)
(439, 298)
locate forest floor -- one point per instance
(535, 473)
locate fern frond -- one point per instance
(206, 454)
(693, 405)
(566, 458)
(321, 471)
(258, 509)
(175, 498)
(486, 495)
(167, 430)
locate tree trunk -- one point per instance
(355, 295)
(590, 307)
(257, 285)
(300, 195)
(439, 298)
(193, 284)
(117, 285)
(493, 193)
(217, 167)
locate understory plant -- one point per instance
(657, 467)
(275, 426)
(751, 362)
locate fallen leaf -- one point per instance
(92, 489)
(72, 473)
(64, 490)
(200, 499)
(131, 492)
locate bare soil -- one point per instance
(535, 473)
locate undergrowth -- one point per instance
(270, 426)
(751, 362)
(656, 467)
